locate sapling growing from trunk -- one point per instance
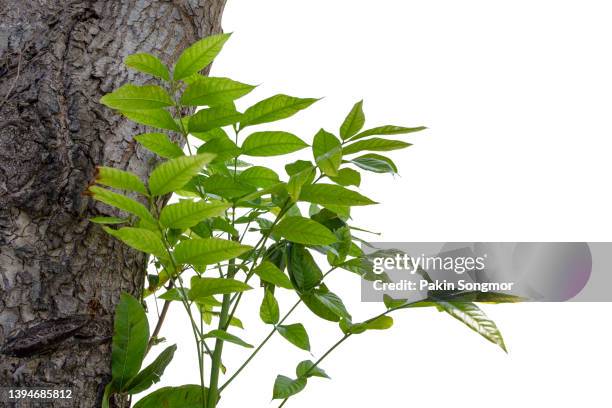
(223, 203)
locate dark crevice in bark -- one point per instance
(61, 276)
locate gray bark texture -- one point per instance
(60, 275)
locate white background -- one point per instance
(516, 96)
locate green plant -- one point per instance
(226, 202)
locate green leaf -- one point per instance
(209, 134)
(331, 194)
(275, 108)
(307, 369)
(108, 220)
(391, 303)
(120, 179)
(214, 91)
(332, 302)
(225, 336)
(130, 338)
(160, 144)
(149, 64)
(208, 119)
(347, 177)
(226, 187)
(301, 173)
(270, 273)
(285, 387)
(207, 251)
(295, 334)
(174, 174)
(197, 56)
(354, 121)
(379, 323)
(133, 98)
(224, 148)
(304, 231)
(387, 130)
(259, 176)
(375, 163)
(152, 373)
(187, 213)
(272, 143)
(375, 144)
(474, 318)
(157, 118)
(304, 272)
(327, 151)
(141, 239)
(202, 287)
(185, 396)
(121, 202)
(268, 311)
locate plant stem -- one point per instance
(268, 337)
(160, 322)
(264, 341)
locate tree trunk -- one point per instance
(60, 275)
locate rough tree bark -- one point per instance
(61, 276)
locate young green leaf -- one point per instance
(347, 177)
(272, 143)
(259, 176)
(332, 194)
(130, 337)
(214, 91)
(285, 387)
(304, 272)
(120, 179)
(185, 396)
(270, 273)
(268, 311)
(296, 335)
(133, 98)
(474, 318)
(275, 108)
(187, 213)
(197, 56)
(208, 119)
(375, 144)
(207, 251)
(327, 151)
(141, 239)
(202, 287)
(160, 144)
(152, 373)
(387, 130)
(121, 202)
(149, 64)
(174, 174)
(157, 118)
(354, 121)
(225, 336)
(307, 369)
(375, 163)
(304, 231)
